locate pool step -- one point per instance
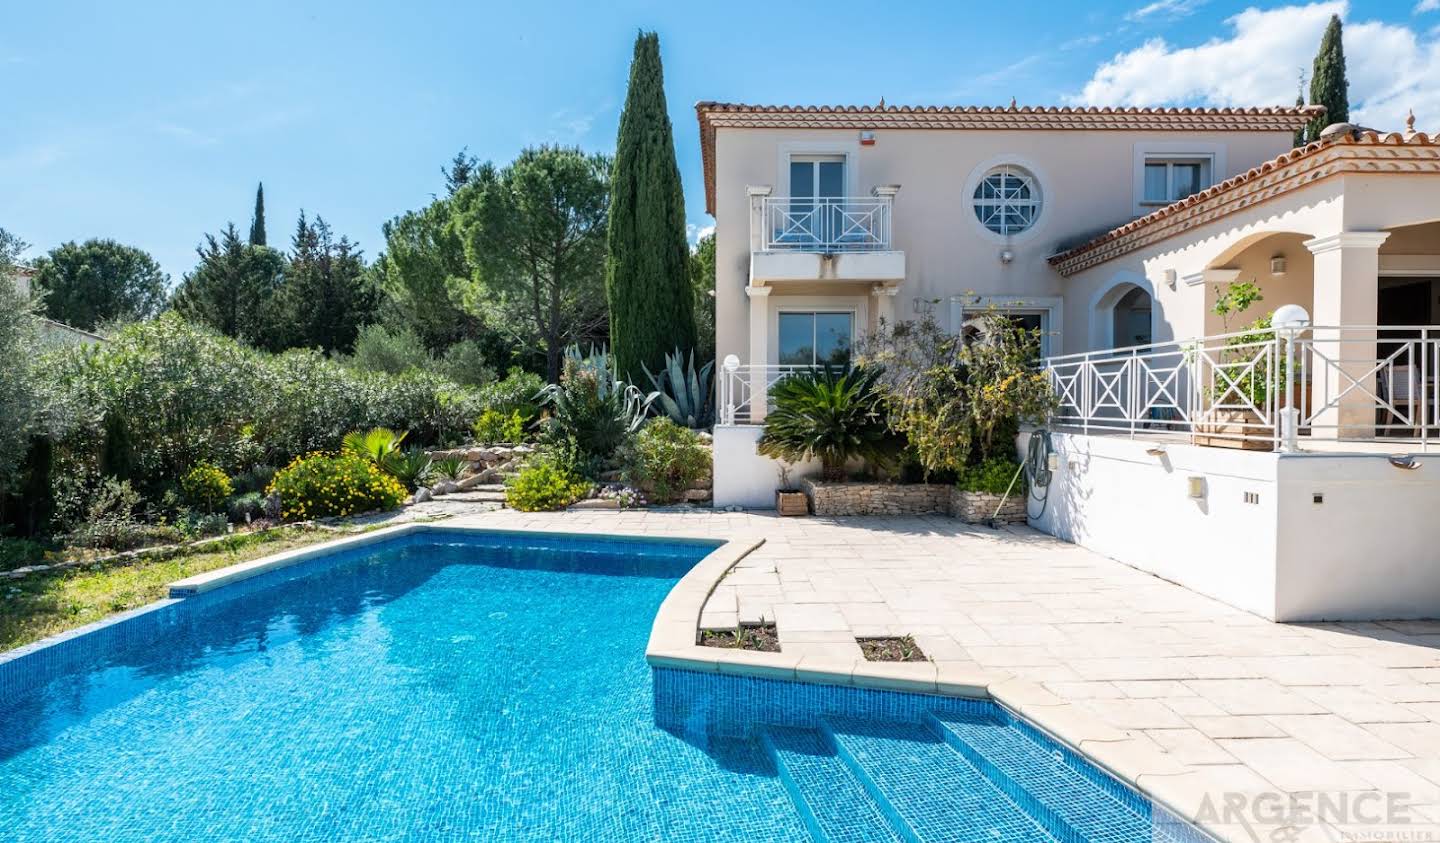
(931, 791)
(835, 807)
(1072, 806)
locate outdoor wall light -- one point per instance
(1170, 278)
(1157, 451)
(1277, 265)
(1195, 487)
(731, 363)
(1404, 461)
(1006, 256)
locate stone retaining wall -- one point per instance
(876, 498)
(975, 507)
(910, 499)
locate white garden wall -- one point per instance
(1255, 538)
(744, 477)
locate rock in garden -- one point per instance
(421, 495)
(445, 487)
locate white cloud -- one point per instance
(1426, 6)
(1389, 67)
(696, 233)
(1170, 9)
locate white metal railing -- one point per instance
(739, 390)
(1262, 387)
(825, 224)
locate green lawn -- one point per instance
(44, 604)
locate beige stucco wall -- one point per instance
(1087, 181)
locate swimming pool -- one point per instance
(449, 685)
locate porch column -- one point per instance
(1346, 290)
(759, 350)
(884, 296)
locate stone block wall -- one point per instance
(975, 507)
(876, 498)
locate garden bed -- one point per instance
(902, 649)
(764, 638)
(876, 498)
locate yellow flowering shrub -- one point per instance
(320, 485)
(205, 486)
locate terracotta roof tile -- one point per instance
(713, 115)
(1069, 261)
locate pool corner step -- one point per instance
(930, 792)
(1070, 805)
(835, 806)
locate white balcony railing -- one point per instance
(825, 225)
(1261, 387)
(741, 390)
(1266, 388)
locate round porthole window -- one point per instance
(1007, 200)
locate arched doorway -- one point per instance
(1132, 319)
(1123, 314)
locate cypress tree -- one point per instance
(257, 222)
(1327, 81)
(647, 266)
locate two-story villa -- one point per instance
(1113, 231)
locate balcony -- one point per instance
(845, 238)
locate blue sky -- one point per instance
(152, 122)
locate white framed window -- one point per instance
(1007, 200)
(1167, 179)
(815, 337)
(1040, 313)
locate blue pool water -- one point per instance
(450, 686)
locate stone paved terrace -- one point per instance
(1246, 704)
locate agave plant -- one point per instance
(683, 393)
(374, 444)
(592, 406)
(829, 414)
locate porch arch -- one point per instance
(1105, 300)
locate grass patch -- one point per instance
(46, 603)
(891, 649)
(764, 638)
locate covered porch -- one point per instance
(1342, 236)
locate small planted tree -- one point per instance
(958, 398)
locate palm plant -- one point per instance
(374, 444)
(829, 414)
(683, 393)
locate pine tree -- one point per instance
(257, 222)
(647, 268)
(1300, 103)
(233, 289)
(1327, 81)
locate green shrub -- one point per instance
(111, 521)
(198, 525)
(379, 349)
(993, 475)
(495, 427)
(245, 507)
(464, 363)
(546, 482)
(253, 479)
(665, 459)
(205, 486)
(518, 392)
(831, 415)
(321, 485)
(18, 553)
